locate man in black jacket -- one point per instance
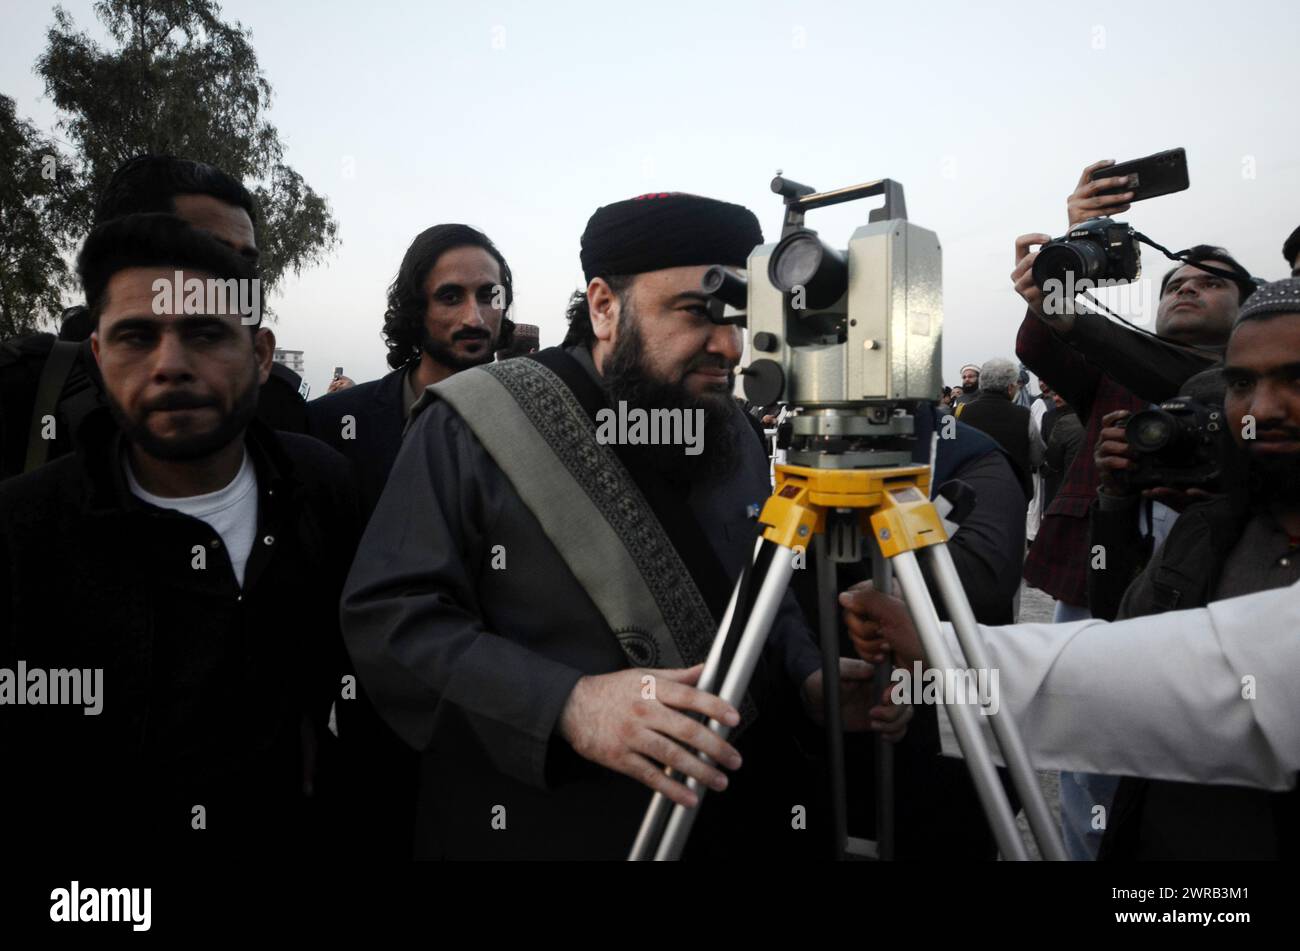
(37, 380)
(446, 312)
(995, 413)
(500, 634)
(180, 571)
(1062, 434)
(1238, 544)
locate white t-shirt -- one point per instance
(1036, 414)
(231, 512)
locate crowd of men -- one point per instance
(433, 615)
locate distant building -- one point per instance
(292, 359)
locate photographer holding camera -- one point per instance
(1168, 457)
(1196, 305)
(1103, 369)
(1244, 541)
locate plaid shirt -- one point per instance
(1058, 559)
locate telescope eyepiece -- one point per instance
(727, 286)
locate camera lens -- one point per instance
(798, 263)
(1086, 260)
(1150, 430)
(801, 261)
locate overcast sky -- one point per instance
(522, 118)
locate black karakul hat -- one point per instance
(667, 229)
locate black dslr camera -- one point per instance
(1179, 445)
(1102, 249)
(1096, 250)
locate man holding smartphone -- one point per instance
(1194, 803)
(1102, 368)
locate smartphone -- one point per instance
(1161, 174)
(338, 372)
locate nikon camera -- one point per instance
(1179, 445)
(1096, 250)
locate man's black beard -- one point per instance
(1273, 479)
(447, 357)
(625, 379)
(187, 448)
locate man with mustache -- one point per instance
(205, 197)
(970, 385)
(1102, 368)
(446, 313)
(1245, 541)
(1207, 704)
(1106, 371)
(190, 553)
(530, 606)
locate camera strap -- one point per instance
(1105, 311)
(1182, 257)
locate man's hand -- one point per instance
(856, 709)
(1085, 202)
(339, 383)
(1113, 454)
(1023, 276)
(1177, 499)
(879, 623)
(890, 719)
(610, 720)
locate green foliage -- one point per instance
(181, 82)
(33, 272)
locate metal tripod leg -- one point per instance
(973, 748)
(660, 805)
(734, 685)
(1013, 748)
(882, 848)
(829, 634)
(735, 653)
(881, 576)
